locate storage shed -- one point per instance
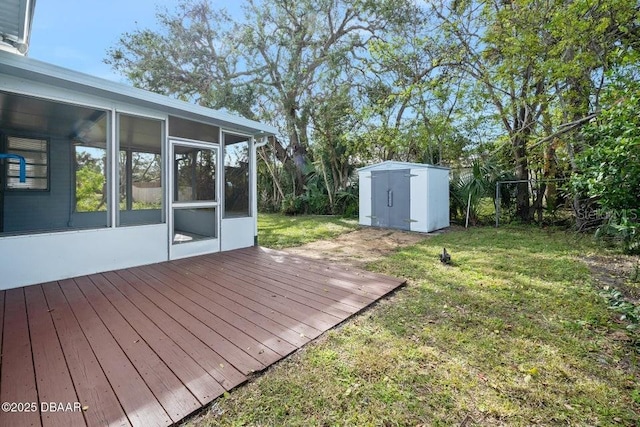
(406, 196)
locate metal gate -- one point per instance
(390, 199)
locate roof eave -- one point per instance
(409, 165)
(42, 72)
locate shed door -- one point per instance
(390, 199)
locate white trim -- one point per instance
(46, 93)
(199, 247)
(112, 165)
(144, 115)
(219, 179)
(253, 182)
(233, 132)
(193, 142)
(195, 204)
(392, 164)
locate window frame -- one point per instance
(47, 151)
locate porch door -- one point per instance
(194, 212)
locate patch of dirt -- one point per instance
(360, 247)
(621, 272)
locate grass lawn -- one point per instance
(279, 231)
(513, 334)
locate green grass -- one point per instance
(279, 231)
(512, 334)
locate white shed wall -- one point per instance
(419, 200)
(364, 198)
(37, 258)
(438, 203)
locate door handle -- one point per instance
(389, 198)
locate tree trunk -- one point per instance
(578, 106)
(550, 173)
(522, 173)
(298, 152)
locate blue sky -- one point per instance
(76, 34)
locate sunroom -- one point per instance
(96, 175)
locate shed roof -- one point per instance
(37, 71)
(392, 164)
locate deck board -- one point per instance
(238, 332)
(137, 399)
(167, 388)
(344, 302)
(256, 330)
(258, 306)
(149, 345)
(271, 297)
(18, 381)
(91, 384)
(208, 359)
(233, 335)
(201, 385)
(148, 286)
(52, 374)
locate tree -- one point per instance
(609, 167)
(531, 61)
(266, 67)
(410, 97)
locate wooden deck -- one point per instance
(150, 345)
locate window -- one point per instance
(140, 170)
(236, 176)
(91, 179)
(36, 155)
(195, 174)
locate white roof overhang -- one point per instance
(29, 69)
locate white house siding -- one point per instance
(37, 258)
